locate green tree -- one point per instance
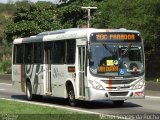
(71, 14)
(6, 11)
(30, 19)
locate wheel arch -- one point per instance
(69, 84)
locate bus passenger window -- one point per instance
(59, 52)
(71, 49)
(38, 53)
(28, 53)
(18, 54)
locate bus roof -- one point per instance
(71, 33)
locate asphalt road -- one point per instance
(147, 106)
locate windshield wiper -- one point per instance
(109, 49)
(127, 49)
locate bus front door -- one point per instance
(47, 60)
(81, 69)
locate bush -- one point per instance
(5, 67)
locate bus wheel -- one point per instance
(118, 102)
(71, 97)
(29, 91)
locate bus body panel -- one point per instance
(17, 81)
(34, 73)
(101, 95)
(60, 76)
(120, 92)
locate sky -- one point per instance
(6, 1)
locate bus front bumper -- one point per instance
(94, 94)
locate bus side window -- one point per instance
(58, 52)
(71, 47)
(28, 53)
(18, 54)
(38, 53)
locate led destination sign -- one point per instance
(115, 37)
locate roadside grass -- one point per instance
(12, 110)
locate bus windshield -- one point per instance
(116, 60)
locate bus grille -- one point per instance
(118, 93)
(127, 81)
(115, 88)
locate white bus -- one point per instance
(81, 64)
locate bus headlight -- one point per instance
(139, 84)
(96, 85)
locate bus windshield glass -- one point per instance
(116, 59)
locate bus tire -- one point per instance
(29, 91)
(118, 102)
(71, 97)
